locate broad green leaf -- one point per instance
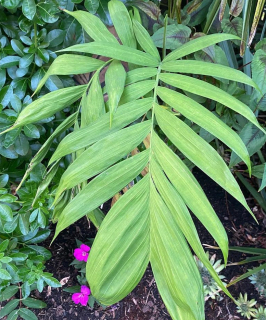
(182, 217)
(208, 69)
(102, 188)
(8, 293)
(31, 131)
(13, 315)
(116, 51)
(188, 188)
(206, 119)
(4, 275)
(9, 61)
(29, 9)
(140, 74)
(34, 303)
(122, 23)
(115, 78)
(123, 240)
(176, 35)
(84, 137)
(253, 138)
(199, 152)
(209, 91)
(3, 245)
(171, 259)
(258, 66)
(27, 314)
(3, 180)
(92, 104)
(91, 5)
(145, 40)
(257, 171)
(233, 27)
(69, 64)
(48, 105)
(10, 306)
(17, 47)
(93, 26)
(96, 217)
(92, 162)
(51, 281)
(6, 213)
(198, 44)
(136, 90)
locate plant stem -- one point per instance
(261, 157)
(164, 35)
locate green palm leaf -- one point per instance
(151, 221)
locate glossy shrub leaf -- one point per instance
(91, 5)
(27, 314)
(115, 78)
(10, 306)
(34, 303)
(29, 9)
(6, 213)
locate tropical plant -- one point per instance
(246, 307)
(211, 289)
(259, 281)
(260, 313)
(151, 221)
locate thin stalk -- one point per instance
(153, 105)
(164, 35)
(261, 157)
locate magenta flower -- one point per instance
(82, 253)
(82, 297)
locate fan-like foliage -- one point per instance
(151, 221)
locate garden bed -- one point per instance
(144, 303)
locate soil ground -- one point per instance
(144, 303)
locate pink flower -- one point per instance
(82, 297)
(82, 253)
